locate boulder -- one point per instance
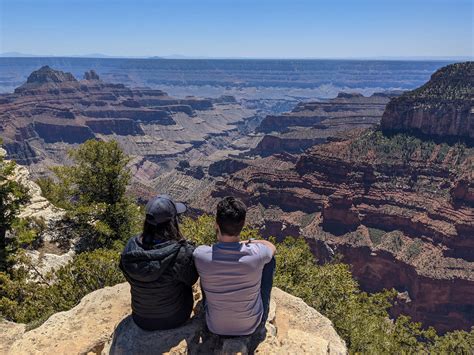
(101, 324)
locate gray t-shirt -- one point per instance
(231, 274)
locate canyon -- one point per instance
(53, 111)
(383, 180)
(394, 203)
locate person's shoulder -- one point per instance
(131, 244)
(187, 246)
(261, 250)
(202, 250)
(258, 248)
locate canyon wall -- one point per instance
(441, 108)
(397, 206)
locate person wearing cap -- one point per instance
(159, 266)
(236, 276)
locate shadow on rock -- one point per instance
(128, 338)
(191, 338)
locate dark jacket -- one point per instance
(161, 282)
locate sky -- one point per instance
(239, 28)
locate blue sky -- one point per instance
(239, 28)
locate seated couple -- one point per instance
(161, 267)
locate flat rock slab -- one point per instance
(101, 324)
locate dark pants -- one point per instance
(266, 287)
(175, 321)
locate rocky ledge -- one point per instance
(101, 324)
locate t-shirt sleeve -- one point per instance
(198, 256)
(264, 252)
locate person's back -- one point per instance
(231, 275)
(158, 265)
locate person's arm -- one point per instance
(189, 275)
(266, 243)
(187, 272)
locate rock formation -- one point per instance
(47, 75)
(397, 207)
(341, 113)
(101, 324)
(311, 123)
(38, 207)
(39, 211)
(91, 75)
(443, 107)
(53, 112)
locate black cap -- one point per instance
(162, 209)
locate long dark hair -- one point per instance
(164, 232)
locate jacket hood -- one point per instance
(148, 265)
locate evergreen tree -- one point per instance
(93, 191)
(13, 196)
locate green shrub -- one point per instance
(202, 231)
(414, 249)
(376, 235)
(24, 301)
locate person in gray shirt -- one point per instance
(236, 276)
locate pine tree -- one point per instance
(13, 196)
(93, 191)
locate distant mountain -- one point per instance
(94, 55)
(16, 55)
(88, 55)
(181, 56)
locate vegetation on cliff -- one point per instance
(440, 108)
(93, 192)
(452, 82)
(95, 187)
(375, 147)
(13, 196)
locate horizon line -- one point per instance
(185, 57)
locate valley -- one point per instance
(397, 207)
(361, 168)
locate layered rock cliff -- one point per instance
(397, 207)
(349, 110)
(316, 122)
(443, 107)
(53, 111)
(101, 324)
